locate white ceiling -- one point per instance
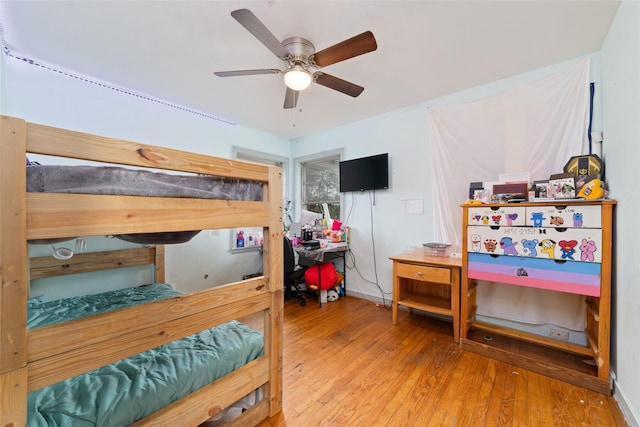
(426, 49)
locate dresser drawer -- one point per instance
(574, 216)
(575, 244)
(564, 276)
(507, 215)
(423, 273)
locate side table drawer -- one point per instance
(423, 273)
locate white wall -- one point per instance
(42, 96)
(621, 151)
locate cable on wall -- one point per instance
(105, 85)
(353, 266)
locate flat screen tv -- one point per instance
(366, 173)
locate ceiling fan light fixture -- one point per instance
(297, 78)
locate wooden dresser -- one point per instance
(427, 283)
(558, 246)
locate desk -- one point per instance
(427, 283)
(328, 253)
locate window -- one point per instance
(321, 184)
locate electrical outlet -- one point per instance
(562, 335)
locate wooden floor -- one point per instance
(345, 364)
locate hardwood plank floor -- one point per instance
(345, 364)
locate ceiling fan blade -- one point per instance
(338, 84)
(247, 72)
(291, 98)
(248, 20)
(355, 46)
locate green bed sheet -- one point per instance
(125, 391)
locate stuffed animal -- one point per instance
(328, 276)
(332, 295)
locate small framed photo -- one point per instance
(541, 188)
(563, 188)
(482, 195)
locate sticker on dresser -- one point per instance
(568, 244)
(497, 215)
(575, 216)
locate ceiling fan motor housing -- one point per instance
(300, 48)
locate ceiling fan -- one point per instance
(300, 57)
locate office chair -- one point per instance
(293, 277)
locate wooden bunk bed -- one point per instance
(36, 358)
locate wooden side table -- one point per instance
(427, 283)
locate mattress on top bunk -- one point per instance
(130, 389)
(113, 180)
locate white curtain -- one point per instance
(534, 128)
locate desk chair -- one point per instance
(293, 277)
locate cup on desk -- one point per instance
(323, 244)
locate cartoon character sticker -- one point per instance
(557, 221)
(577, 219)
(476, 241)
(568, 248)
(537, 218)
(490, 245)
(496, 219)
(510, 218)
(508, 246)
(548, 247)
(529, 247)
(587, 248)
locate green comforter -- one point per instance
(132, 388)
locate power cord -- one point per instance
(373, 245)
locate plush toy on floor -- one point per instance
(332, 295)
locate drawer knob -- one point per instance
(419, 273)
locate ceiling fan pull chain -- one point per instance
(294, 116)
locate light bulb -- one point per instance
(297, 78)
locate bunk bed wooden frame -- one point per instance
(36, 358)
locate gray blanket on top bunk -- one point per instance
(130, 389)
(112, 180)
(134, 182)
